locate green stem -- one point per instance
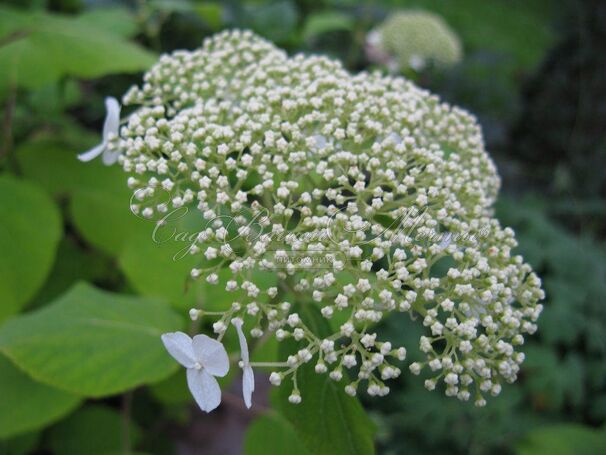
(127, 400)
(268, 364)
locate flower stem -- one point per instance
(268, 364)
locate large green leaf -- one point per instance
(104, 218)
(39, 48)
(565, 439)
(115, 20)
(92, 430)
(274, 20)
(272, 434)
(100, 209)
(93, 342)
(152, 268)
(99, 196)
(29, 233)
(26, 405)
(328, 421)
(73, 264)
(54, 165)
(156, 263)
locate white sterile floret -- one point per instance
(110, 134)
(341, 189)
(204, 358)
(248, 379)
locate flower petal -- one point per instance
(110, 157)
(112, 118)
(248, 385)
(204, 388)
(92, 153)
(446, 240)
(237, 322)
(211, 354)
(179, 345)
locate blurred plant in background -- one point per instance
(413, 40)
(532, 71)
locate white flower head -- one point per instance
(204, 359)
(378, 137)
(248, 378)
(110, 129)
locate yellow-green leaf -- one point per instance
(92, 342)
(27, 405)
(29, 234)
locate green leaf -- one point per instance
(93, 342)
(118, 21)
(73, 264)
(152, 269)
(100, 199)
(29, 234)
(92, 430)
(565, 439)
(26, 405)
(101, 212)
(211, 14)
(172, 390)
(265, 350)
(156, 263)
(272, 434)
(326, 21)
(50, 163)
(20, 445)
(275, 21)
(328, 421)
(39, 48)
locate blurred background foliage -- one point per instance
(533, 72)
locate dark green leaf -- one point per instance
(328, 421)
(565, 439)
(20, 445)
(272, 434)
(92, 430)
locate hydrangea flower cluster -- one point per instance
(413, 39)
(364, 194)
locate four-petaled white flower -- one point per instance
(248, 378)
(110, 129)
(204, 358)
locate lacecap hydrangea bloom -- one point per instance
(413, 39)
(364, 194)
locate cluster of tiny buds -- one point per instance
(361, 195)
(363, 354)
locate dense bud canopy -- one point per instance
(365, 194)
